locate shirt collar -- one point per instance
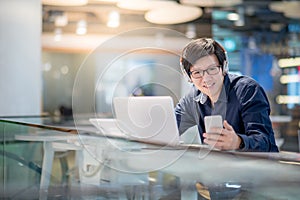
(202, 98)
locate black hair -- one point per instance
(199, 48)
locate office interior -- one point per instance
(62, 64)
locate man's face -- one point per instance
(211, 82)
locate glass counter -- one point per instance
(43, 159)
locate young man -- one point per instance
(240, 101)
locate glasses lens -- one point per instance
(212, 70)
(196, 74)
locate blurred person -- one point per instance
(239, 99)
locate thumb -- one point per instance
(227, 126)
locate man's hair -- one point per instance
(202, 47)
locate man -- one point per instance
(240, 100)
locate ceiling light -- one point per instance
(211, 3)
(65, 2)
(289, 62)
(292, 78)
(57, 34)
(81, 27)
(289, 8)
(108, 1)
(277, 6)
(61, 20)
(191, 31)
(286, 99)
(293, 14)
(144, 5)
(113, 19)
(233, 16)
(175, 14)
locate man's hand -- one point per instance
(223, 139)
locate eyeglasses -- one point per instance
(210, 71)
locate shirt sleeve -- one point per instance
(255, 109)
(186, 114)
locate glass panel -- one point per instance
(90, 166)
(20, 162)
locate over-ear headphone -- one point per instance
(202, 44)
(185, 74)
(225, 61)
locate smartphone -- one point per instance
(213, 121)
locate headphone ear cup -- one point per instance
(184, 73)
(225, 67)
(225, 62)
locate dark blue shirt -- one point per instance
(242, 102)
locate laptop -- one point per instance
(108, 127)
(148, 119)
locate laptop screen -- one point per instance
(147, 118)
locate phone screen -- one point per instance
(212, 122)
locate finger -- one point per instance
(213, 136)
(214, 144)
(227, 126)
(210, 142)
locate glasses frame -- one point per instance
(202, 72)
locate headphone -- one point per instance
(219, 51)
